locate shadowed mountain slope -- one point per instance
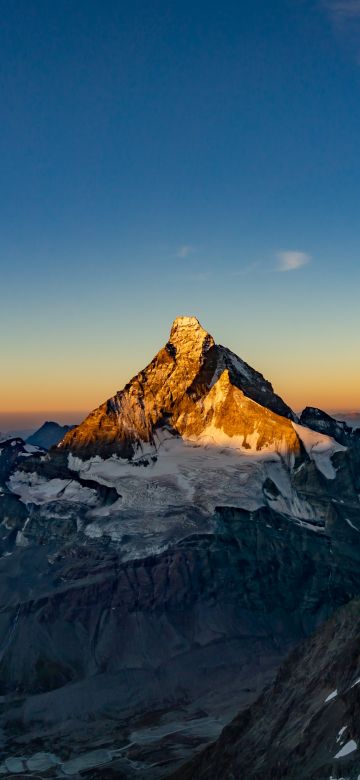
(48, 435)
(306, 726)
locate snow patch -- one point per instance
(349, 747)
(30, 448)
(320, 448)
(341, 731)
(31, 488)
(331, 696)
(192, 474)
(184, 473)
(242, 367)
(352, 525)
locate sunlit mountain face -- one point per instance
(161, 560)
(199, 390)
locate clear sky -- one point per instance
(163, 158)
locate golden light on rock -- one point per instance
(197, 388)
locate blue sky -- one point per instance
(166, 158)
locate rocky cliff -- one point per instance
(306, 725)
(197, 388)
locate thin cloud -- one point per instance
(345, 19)
(344, 16)
(343, 10)
(291, 261)
(185, 250)
(246, 269)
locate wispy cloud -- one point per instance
(345, 20)
(343, 10)
(291, 261)
(246, 269)
(185, 250)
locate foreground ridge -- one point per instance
(306, 725)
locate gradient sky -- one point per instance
(171, 158)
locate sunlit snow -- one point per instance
(320, 448)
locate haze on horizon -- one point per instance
(28, 418)
(164, 160)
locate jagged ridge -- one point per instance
(194, 386)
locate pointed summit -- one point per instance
(189, 338)
(191, 384)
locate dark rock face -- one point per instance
(13, 512)
(49, 435)
(207, 621)
(9, 452)
(320, 421)
(347, 463)
(306, 725)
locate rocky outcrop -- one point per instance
(306, 725)
(191, 385)
(347, 463)
(10, 449)
(320, 421)
(226, 409)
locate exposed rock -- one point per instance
(320, 421)
(207, 621)
(191, 384)
(306, 725)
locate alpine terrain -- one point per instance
(49, 433)
(158, 565)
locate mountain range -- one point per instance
(158, 565)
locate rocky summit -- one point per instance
(159, 564)
(198, 389)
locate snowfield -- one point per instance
(177, 478)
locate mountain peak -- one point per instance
(191, 385)
(188, 337)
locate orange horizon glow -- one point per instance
(78, 398)
(79, 377)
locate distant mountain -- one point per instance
(351, 418)
(306, 726)
(48, 435)
(20, 434)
